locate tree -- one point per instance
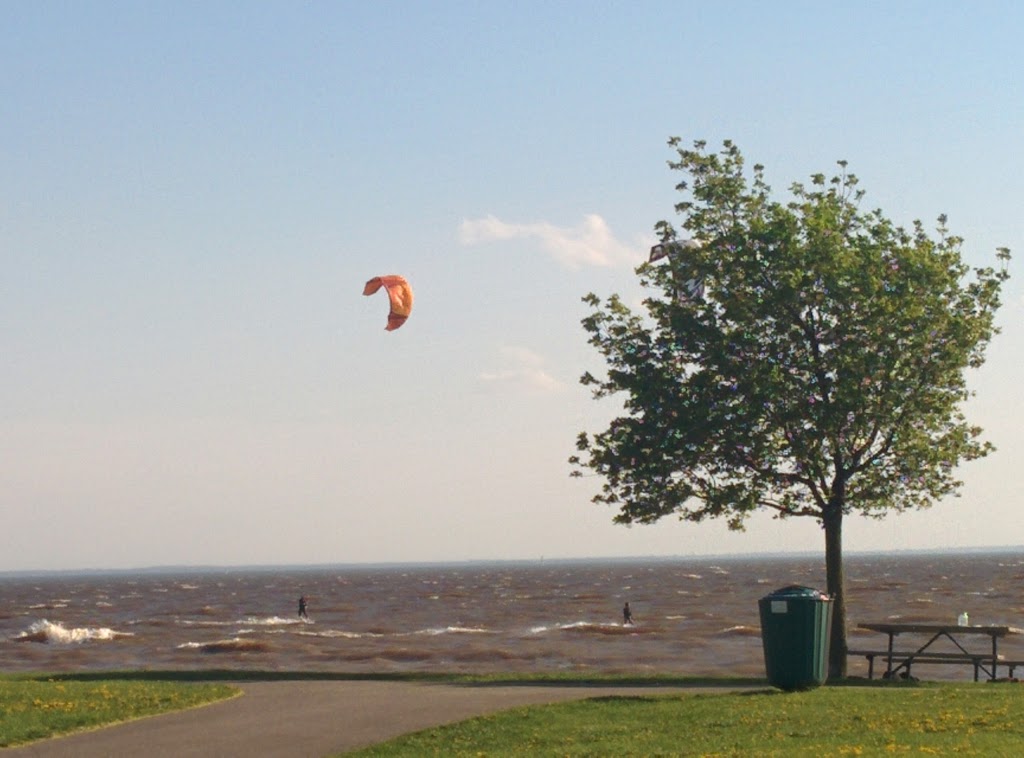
(806, 358)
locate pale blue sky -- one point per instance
(193, 195)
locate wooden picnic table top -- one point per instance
(897, 628)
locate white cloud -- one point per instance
(591, 243)
(522, 369)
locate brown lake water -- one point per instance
(692, 616)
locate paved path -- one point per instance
(307, 719)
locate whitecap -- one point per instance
(270, 621)
(56, 633)
(453, 630)
(740, 630)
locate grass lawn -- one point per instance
(975, 719)
(35, 708)
(877, 719)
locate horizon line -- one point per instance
(540, 560)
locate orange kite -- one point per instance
(400, 294)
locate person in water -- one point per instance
(302, 607)
(627, 615)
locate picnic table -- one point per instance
(901, 660)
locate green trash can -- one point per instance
(795, 626)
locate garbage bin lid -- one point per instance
(795, 590)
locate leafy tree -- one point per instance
(807, 358)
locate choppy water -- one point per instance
(692, 616)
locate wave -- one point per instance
(250, 621)
(740, 631)
(273, 621)
(992, 594)
(48, 632)
(235, 645)
(590, 627)
(451, 630)
(339, 634)
(385, 656)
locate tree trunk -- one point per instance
(833, 523)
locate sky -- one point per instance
(193, 195)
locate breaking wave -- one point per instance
(48, 632)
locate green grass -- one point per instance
(975, 719)
(854, 718)
(36, 708)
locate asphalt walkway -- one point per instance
(308, 719)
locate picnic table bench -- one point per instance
(899, 662)
(904, 660)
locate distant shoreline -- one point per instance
(476, 563)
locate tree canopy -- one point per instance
(804, 357)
